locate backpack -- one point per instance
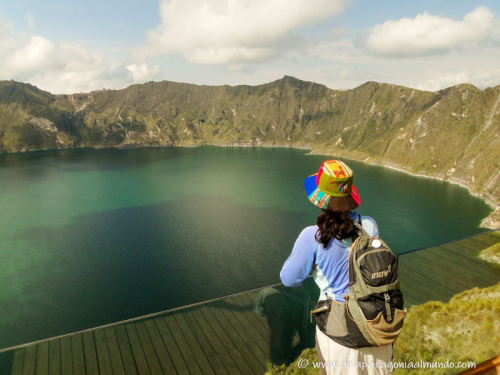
(372, 314)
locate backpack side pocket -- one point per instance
(384, 333)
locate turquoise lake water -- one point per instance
(89, 237)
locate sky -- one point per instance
(68, 47)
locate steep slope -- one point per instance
(453, 134)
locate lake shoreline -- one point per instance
(492, 221)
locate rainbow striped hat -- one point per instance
(332, 187)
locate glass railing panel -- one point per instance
(242, 333)
(235, 334)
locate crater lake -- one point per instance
(90, 237)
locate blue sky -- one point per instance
(67, 47)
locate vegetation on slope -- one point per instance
(452, 134)
(491, 254)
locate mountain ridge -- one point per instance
(452, 134)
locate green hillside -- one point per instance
(453, 134)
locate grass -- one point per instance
(491, 254)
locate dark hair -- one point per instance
(334, 224)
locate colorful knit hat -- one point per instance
(332, 187)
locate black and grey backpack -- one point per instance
(372, 314)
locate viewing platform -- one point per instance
(241, 333)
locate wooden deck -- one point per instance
(217, 338)
(438, 273)
(227, 336)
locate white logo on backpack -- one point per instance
(377, 275)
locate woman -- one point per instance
(323, 250)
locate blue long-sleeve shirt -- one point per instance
(332, 262)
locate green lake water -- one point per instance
(89, 237)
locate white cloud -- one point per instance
(480, 78)
(58, 68)
(39, 53)
(427, 34)
(141, 73)
(234, 31)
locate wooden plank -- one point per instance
(42, 358)
(206, 346)
(439, 284)
(470, 273)
(258, 348)
(102, 353)
(235, 352)
(66, 356)
(29, 360)
(198, 353)
(461, 250)
(243, 320)
(408, 299)
(415, 300)
(149, 351)
(135, 345)
(17, 362)
(171, 346)
(78, 355)
(55, 357)
(182, 344)
(165, 361)
(243, 342)
(480, 266)
(487, 239)
(89, 350)
(444, 277)
(250, 299)
(196, 318)
(125, 350)
(247, 311)
(422, 290)
(471, 244)
(436, 265)
(115, 356)
(420, 285)
(409, 293)
(475, 264)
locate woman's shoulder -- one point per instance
(309, 232)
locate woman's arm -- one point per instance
(300, 262)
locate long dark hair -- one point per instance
(334, 224)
